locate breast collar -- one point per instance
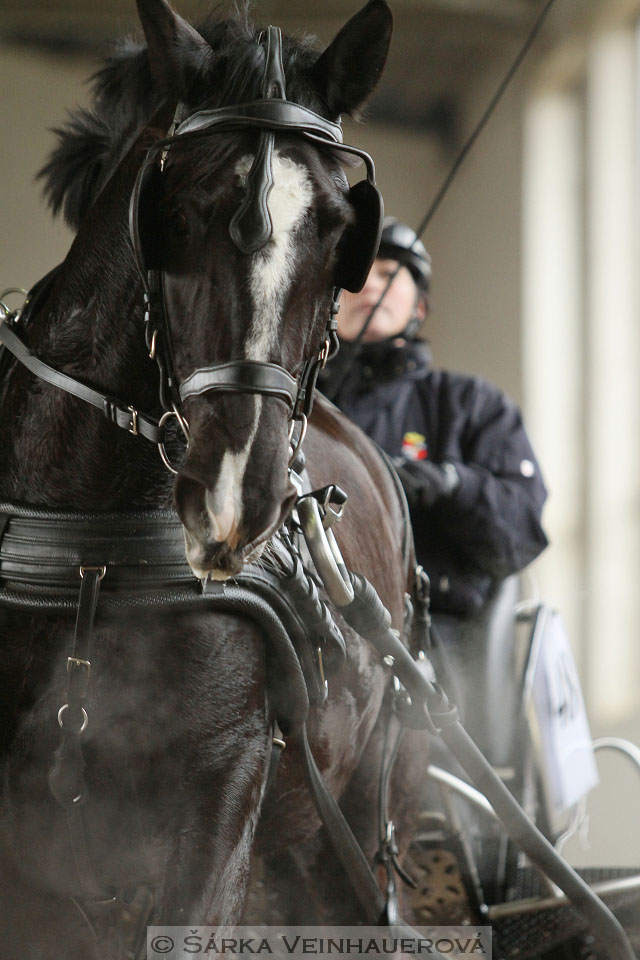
(140, 560)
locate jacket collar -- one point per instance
(382, 362)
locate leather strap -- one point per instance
(46, 548)
(279, 115)
(35, 297)
(251, 226)
(66, 777)
(78, 675)
(123, 415)
(346, 846)
(41, 551)
(274, 114)
(242, 376)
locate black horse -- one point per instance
(242, 225)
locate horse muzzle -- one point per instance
(224, 528)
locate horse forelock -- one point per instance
(124, 99)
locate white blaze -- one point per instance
(271, 271)
(269, 282)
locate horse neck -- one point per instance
(57, 449)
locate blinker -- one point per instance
(251, 227)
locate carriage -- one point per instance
(213, 626)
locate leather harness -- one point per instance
(101, 565)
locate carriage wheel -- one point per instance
(441, 896)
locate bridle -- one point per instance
(250, 229)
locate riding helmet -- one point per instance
(399, 242)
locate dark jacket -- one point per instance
(490, 526)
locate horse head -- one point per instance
(244, 225)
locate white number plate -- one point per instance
(567, 757)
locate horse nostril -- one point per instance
(188, 495)
(223, 516)
(211, 514)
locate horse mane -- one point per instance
(124, 99)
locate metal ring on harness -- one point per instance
(295, 445)
(6, 312)
(185, 429)
(325, 552)
(85, 717)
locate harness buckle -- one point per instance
(133, 429)
(124, 417)
(100, 570)
(79, 671)
(76, 663)
(335, 495)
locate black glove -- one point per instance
(425, 482)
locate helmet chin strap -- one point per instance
(413, 323)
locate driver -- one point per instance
(472, 481)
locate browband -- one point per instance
(266, 115)
(271, 114)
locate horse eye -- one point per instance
(179, 224)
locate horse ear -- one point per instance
(176, 50)
(346, 74)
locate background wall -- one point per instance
(37, 89)
(534, 252)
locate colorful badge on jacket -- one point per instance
(414, 446)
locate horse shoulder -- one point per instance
(372, 530)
